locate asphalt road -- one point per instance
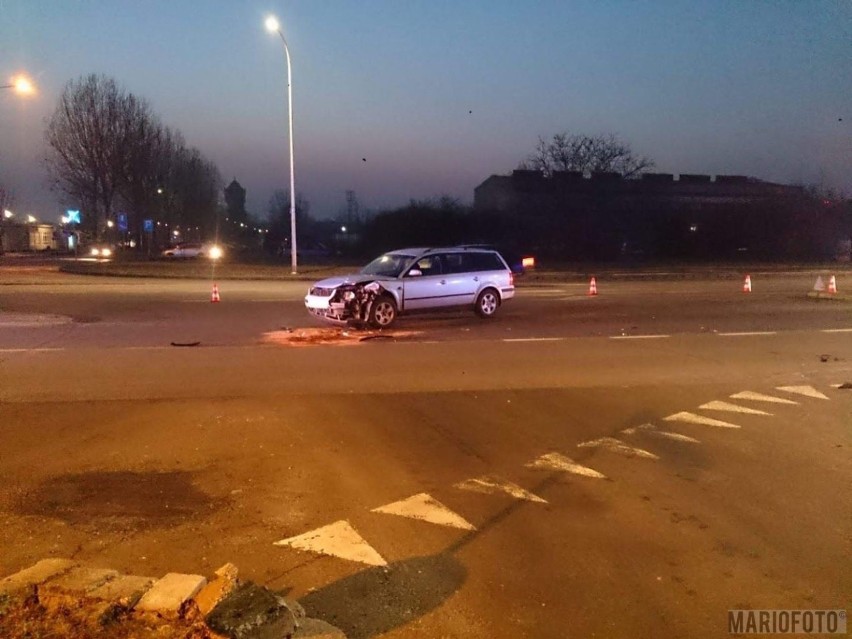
(121, 450)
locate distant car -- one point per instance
(188, 250)
(101, 251)
(414, 279)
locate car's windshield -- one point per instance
(387, 265)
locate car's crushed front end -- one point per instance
(344, 302)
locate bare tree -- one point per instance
(108, 149)
(90, 136)
(586, 154)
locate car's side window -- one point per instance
(453, 263)
(429, 265)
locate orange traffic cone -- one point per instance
(593, 287)
(832, 285)
(747, 284)
(214, 296)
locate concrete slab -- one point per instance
(124, 590)
(38, 573)
(69, 589)
(167, 594)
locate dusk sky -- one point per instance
(437, 95)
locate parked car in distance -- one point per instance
(187, 250)
(411, 280)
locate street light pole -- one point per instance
(273, 26)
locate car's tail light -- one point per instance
(511, 279)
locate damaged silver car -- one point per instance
(415, 279)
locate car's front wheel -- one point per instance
(382, 312)
(487, 303)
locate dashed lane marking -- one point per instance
(807, 391)
(747, 333)
(652, 430)
(534, 339)
(491, 485)
(760, 397)
(339, 539)
(425, 508)
(837, 330)
(619, 447)
(561, 463)
(731, 408)
(692, 418)
(30, 350)
(638, 336)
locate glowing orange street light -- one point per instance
(21, 85)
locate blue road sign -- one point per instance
(73, 216)
(122, 222)
(148, 225)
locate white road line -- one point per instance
(747, 333)
(836, 330)
(339, 539)
(534, 339)
(638, 336)
(556, 461)
(491, 485)
(731, 408)
(807, 391)
(652, 430)
(760, 397)
(425, 508)
(692, 418)
(617, 446)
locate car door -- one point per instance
(424, 285)
(460, 283)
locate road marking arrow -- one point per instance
(556, 461)
(617, 446)
(760, 397)
(731, 408)
(426, 508)
(491, 485)
(807, 391)
(339, 539)
(692, 418)
(652, 430)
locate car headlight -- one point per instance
(95, 251)
(215, 252)
(106, 252)
(348, 296)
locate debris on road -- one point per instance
(185, 343)
(330, 336)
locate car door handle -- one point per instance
(476, 279)
(443, 281)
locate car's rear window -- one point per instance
(484, 261)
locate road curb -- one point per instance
(56, 593)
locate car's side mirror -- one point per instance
(415, 272)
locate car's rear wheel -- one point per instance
(487, 303)
(382, 312)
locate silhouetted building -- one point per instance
(235, 201)
(570, 216)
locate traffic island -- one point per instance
(61, 598)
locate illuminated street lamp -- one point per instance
(21, 85)
(273, 26)
(31, 219)
(8, 214)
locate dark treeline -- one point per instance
(807, 228)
